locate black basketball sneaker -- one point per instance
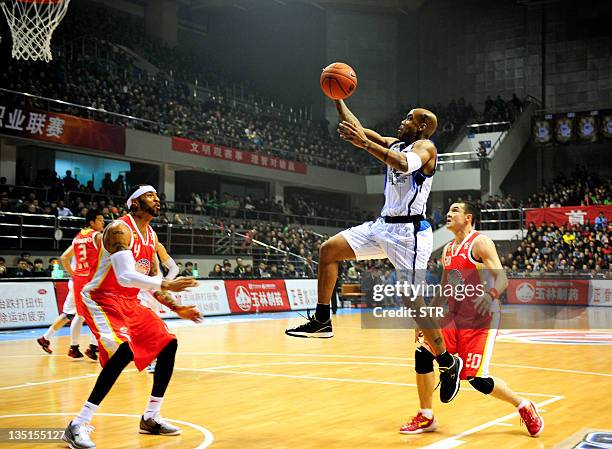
(449, 380)
(313, 328)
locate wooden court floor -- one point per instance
(244, 384)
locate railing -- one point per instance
(452, 161)
(497, 219)
(51, 233)
(234, 92)
(166, 129)
(255, 215)
(502, 127)
(446, 161)
(171, 207)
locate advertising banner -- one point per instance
(209, 297)
(560, 292)
(232, 154)
(252, 296)
(600, 293)
(563, 216)
(54, 127)
(302, 293)
(25, 304)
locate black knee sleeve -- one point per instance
(483, 384)
(423, 361)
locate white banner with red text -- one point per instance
(27, 304)
(302, 293)
(209, 297)
(600, 293)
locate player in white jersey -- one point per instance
(401, 233)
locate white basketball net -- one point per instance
(32, 23)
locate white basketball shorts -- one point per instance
(395, 241)
(69, 305)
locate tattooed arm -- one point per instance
(189, 312)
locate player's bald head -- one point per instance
(425, 117)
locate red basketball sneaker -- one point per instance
(419, 424)
(532, 419)
(45, 345)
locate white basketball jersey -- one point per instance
(405, 194)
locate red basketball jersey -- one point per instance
(104, 282)
(86, 252)
(460, 272)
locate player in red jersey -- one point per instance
(470, 325)
(85, 249)
(126, 330)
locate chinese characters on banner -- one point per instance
(251, 296)
(601, 293)
(183, 145)
(24, 304)
(61, 128)
(561, 292)
(209, 297)
(564, 216)
(302, 293)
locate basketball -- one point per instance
(338, 81)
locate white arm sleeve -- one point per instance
(414, 162)
(172, 267)
(125, 270)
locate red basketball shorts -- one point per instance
(78, 282)
(118, 319)
(473, 346)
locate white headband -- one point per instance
(141, 191)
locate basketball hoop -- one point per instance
(32, 23)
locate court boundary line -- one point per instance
(447, 443)
(454, 440)
(504, 365)
(221, 369)
(65, 379)
(208, 436)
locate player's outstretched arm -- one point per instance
(166, 298)
(347, 116)
(484, 250)
(423, 151)
(189, 312)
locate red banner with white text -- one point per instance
(559, 292)
(54, 127)
(250, 296)
(235, 155)
(564, 216)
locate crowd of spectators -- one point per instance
(500, 110)
(233, 206)
(100, 75)
(580, 188)
(563, 249)
(25, 266)
(50, 196)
